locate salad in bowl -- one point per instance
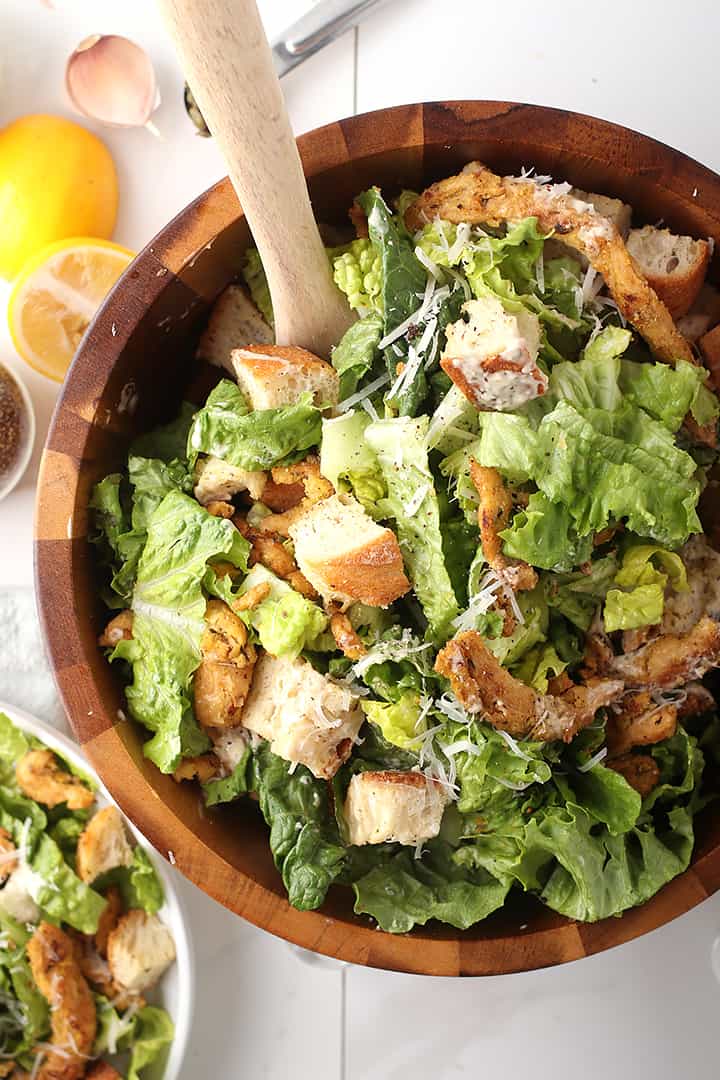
(95, 977)
(442, 603)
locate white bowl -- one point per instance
(11, 478)
(176, 989)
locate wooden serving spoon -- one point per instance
(227, 61)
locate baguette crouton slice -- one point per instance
(103, 845)
(306, 718)
(140, 950)
(675, 266)
(709, 345)
(234, 322)
(218, 481)
(393, 807)
(348, 557)
(271, 376)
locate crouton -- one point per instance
(140, 950)
(709, 345)
(492, 355)
(347, 556)
(393, 807)
(271, 376)
(234, 322)
(703, 315)
(306, 718)
(222, 680)
(103, 845)
(674, 266)
(218, 481)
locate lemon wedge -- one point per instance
(55, 297)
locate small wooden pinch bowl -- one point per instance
(134, 367)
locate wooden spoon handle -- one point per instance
(227, 61)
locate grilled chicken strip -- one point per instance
(478, 196)
(482, 685)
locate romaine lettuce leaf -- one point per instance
(667, 393)
(641, 606)
(254, 275)
(538, 665)
(401, 451)
(640, 600)
(578, 596)
(358, 272)
(403, 280)
(227, 429)
(59, 892)
(169, 606)
(397, 722)
(285, 622)
(13, 746)
(152, 1034)
(348, 462)
(169, 441)
(304, 837)
(355, 353)
(140, 885)
(544, 535)
(403, 892)
(229, 787)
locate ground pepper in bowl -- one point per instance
(16, 430)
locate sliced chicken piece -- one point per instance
(494, 514)
(346, 637)
(314, 486)
(479, 196)
(118, 629)
(42, 777)
(8, 859)
(393, 807)
(684, 609)
(72, 1008)
(671, 660)
(698, 700)
(483, 686)
(222, 681)
(108, 919)
(639, 721)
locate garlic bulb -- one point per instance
(111, 79)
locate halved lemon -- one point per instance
(56, 296)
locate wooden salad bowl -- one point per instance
(131, 372)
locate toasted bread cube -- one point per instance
(218, 481)
(103, 845)
(492, 355)
(346, 556)
(675, 266)
(234, 322)
(305, 717)
(399, 807)
(140, 949)
(271, 376)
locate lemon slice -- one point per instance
(56, 296)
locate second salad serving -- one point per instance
(442, 602)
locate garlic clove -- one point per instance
(111, 79)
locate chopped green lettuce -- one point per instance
(169, 441)
(304, 837)
(397, 721)
(254, 275)
(354, 354)
(358, 272)
(169, 607)
(401, 451)
(347, 460)
(640, 598)
(230, 787)
(59, 892)
(252, 439)
(152, 1035)
(285, 622)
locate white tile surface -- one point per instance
(647, 1010)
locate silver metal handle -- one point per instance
(325, 22)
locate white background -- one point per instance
(647, 1010)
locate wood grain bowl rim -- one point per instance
(60, 542)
